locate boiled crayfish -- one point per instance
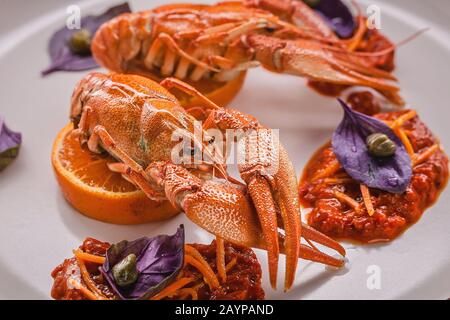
(133, 118)
(190, 41)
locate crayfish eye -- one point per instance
(270, 29)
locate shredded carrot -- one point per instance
(402, 135)
(408, 132)
(87, 293)
(403, 118)
(367, 199)
(208, 274)
(172, 288)
(220, 257)
(426, 154)
(348, 200)
(190, 250)
(184, 292)
(87, 279)
(359, 34)
(341, 175)
(338, 180)
(328, 171)
(396, 126)
(231, 264)
(88, 257)
(198, 286)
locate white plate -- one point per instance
(39, 229)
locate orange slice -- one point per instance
(221, 93)
(91, 188)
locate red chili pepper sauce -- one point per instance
(372, 41)
(243, 279)
(393, 212)
(61, 289)
(364, 102)
(375, 41)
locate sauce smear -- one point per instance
(329, 192)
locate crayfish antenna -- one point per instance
(311, 60)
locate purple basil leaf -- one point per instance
(337, 15)
(390, 174)
(159, 260)
(10, 142)
(62, 58)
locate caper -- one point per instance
(125, 272)
(80, 42)
(379, 145)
